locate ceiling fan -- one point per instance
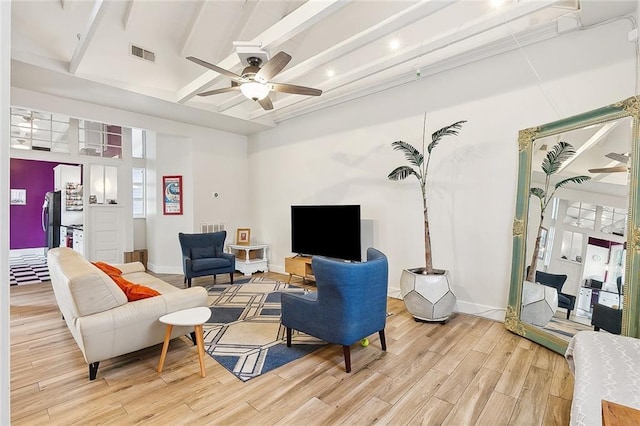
(255, 81)
(621, 158)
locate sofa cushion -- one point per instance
(107, 269)
(203, 252)
(213, 263)
(134, 291)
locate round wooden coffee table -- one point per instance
(188, 317)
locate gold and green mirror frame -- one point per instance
(629, 107)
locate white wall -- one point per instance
(5, 55)
(139, 234)
(343, 155)
(222, 169)
(162, 230)
(208, 162)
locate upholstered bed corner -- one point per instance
(605, 366)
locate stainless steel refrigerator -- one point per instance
(51, 214)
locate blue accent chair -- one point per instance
(202, 255)
(350, 304)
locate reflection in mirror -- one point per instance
(570, 254)
(577, 263)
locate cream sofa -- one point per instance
(103, 323)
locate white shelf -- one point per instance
(246, 264)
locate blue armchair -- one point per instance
(202, 255)
(350, 304)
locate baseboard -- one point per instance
(489, 312)
(394, 292)
(38, 251)
(277, 268)
(157, 269)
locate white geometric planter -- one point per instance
(539, 303)
(427, 297)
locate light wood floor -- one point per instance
(469, 371)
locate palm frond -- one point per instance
(411, 153)
(558, 155)
(400, 173)
(538, 192)
(575, 179)
(450, 130)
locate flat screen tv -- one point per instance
(329, 230)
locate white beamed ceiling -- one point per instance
(89, 42)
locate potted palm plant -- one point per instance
(426, 291)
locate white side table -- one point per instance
(246, 264)
(188, 317)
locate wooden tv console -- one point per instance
(299, 266)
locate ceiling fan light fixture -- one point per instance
(254, 90)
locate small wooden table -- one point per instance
(187, 317)
(299, 266)
(619, 415)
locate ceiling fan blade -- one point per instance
(618, 157)
(272, 67)
(610, 169)
(296, 90)
(217, 69)
(266, 103)
(218, 91)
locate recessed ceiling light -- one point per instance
(330, 73)
(394, 44)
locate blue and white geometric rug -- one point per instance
(244, 333)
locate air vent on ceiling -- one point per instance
(143, 53)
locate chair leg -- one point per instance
(231, 277)
(185, 280)
(214, 278)
(189, 282)
(93, 370)
(596, 328)
(383, 341)
(346, 350)
(193, 337)
(568, 313)
(288, 337)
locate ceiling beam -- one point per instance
(191, 28)
(248, 10)
(447, 40)
(399, 75)
(597, 137)
(393, 23)
(127, 15)
(291, 25)
(84, 39)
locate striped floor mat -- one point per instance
(28, 269)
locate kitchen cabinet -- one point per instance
(78, 241)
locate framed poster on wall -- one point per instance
(172, 194)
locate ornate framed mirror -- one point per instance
(576, 231)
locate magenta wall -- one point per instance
(26, 221)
